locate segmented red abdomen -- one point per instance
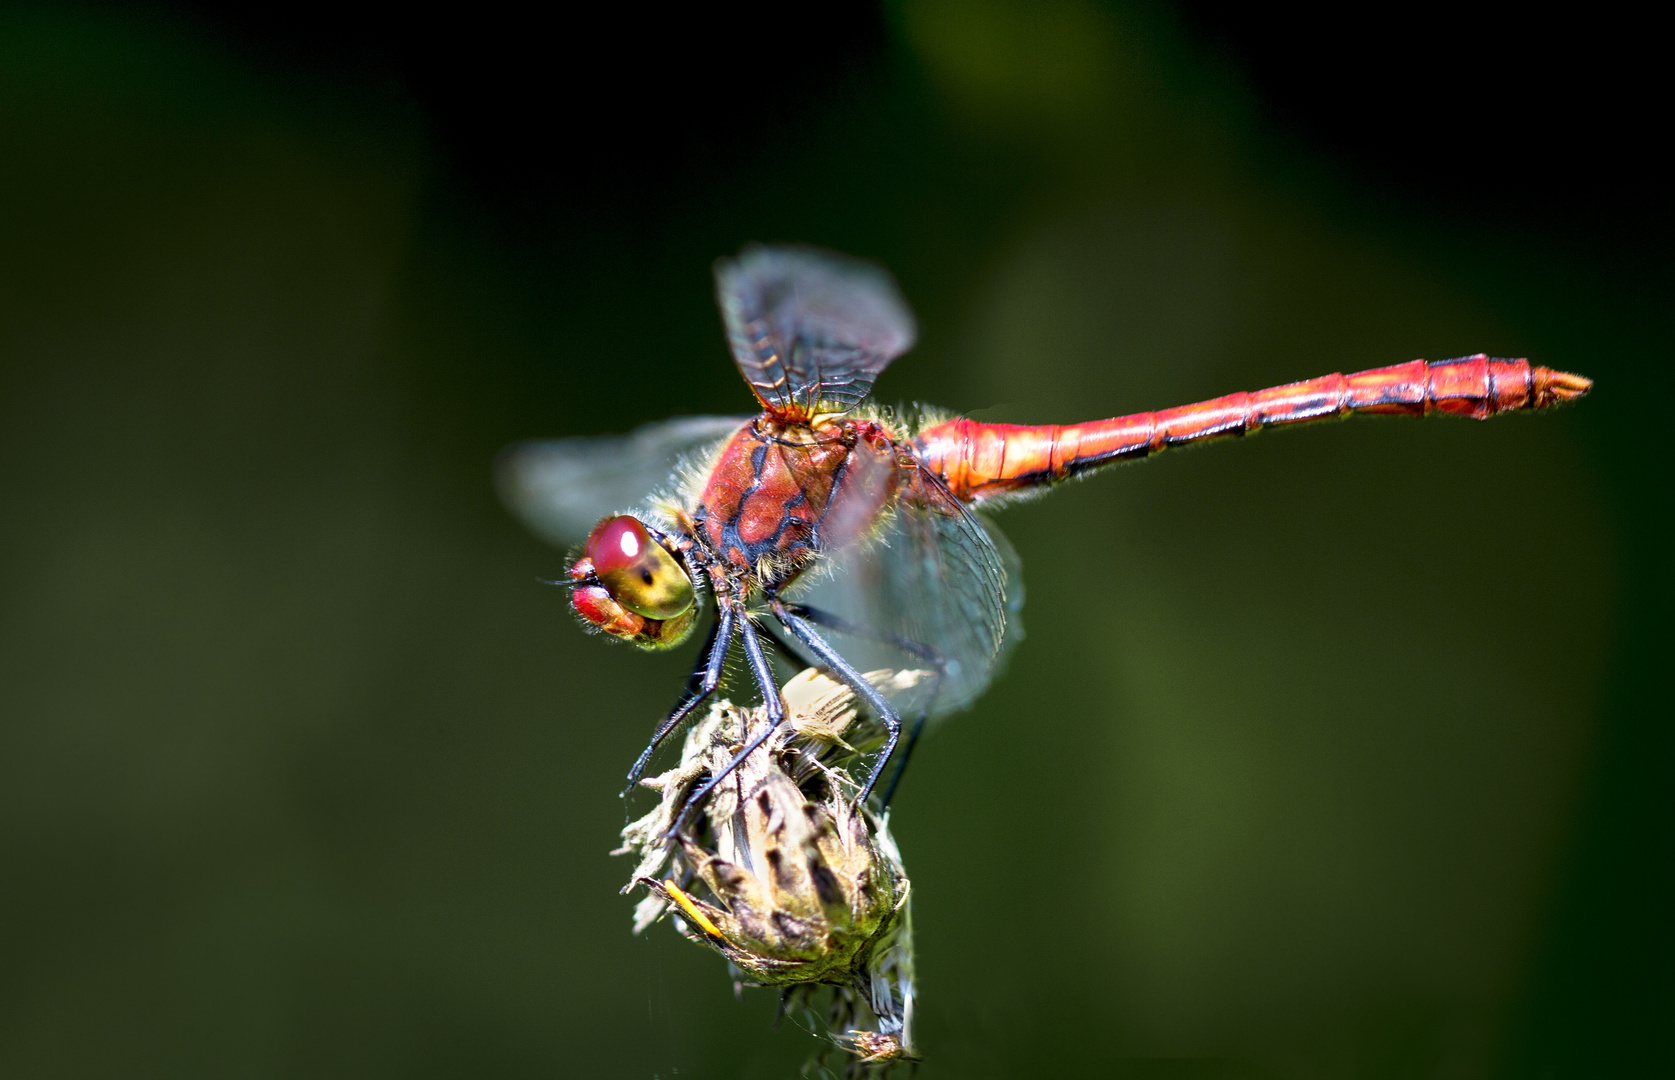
(979, 460)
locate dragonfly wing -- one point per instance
(932, 574)
(810, 329)
(560, 488)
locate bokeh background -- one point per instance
(1339, 752)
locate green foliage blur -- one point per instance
(1332, 753)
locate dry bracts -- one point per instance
(783, 875)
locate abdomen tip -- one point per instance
(1557, 387)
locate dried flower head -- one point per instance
(782, 874)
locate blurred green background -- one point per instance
(1332, 753)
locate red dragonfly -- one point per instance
(852, 526)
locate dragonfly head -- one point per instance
(631, 585)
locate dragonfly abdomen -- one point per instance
(978, 460)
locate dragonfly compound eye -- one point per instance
(636, 570)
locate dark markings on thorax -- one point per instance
(795, 538)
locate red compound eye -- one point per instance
(617, 543)
(636, 571)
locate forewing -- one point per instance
(933, 574)
(810, 329)
(560, 488)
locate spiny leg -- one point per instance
(939, 669)
(906, 752)
(706, 676)
(821, 617)
(771, 702)
(844, 670)
(775, 635)
(695, 681)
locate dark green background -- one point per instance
(1340, 752)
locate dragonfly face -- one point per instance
(629, 585)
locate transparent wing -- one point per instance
(810, 330)
(560, 488)
(935, 575)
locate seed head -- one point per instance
(782, 874)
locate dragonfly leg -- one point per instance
(695, 681)
(776, 636)
(901, 762)
(939, 669)
(805, 632)
(772, 703)
(705, 678)
(843, 626)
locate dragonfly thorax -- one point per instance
(781, 493)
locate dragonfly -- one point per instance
(859, 531)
